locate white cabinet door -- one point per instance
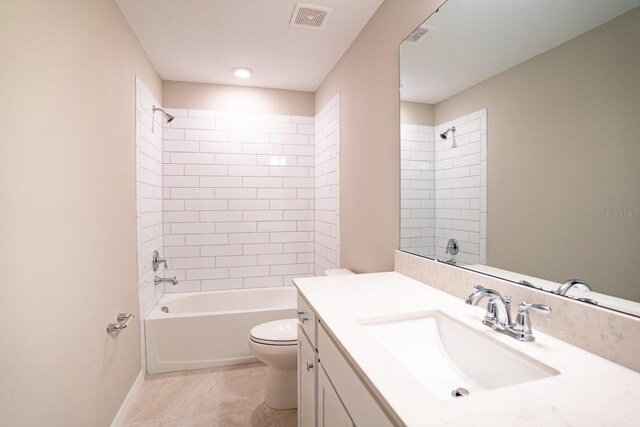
(331, 411)
(307, 362)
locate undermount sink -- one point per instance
(448, 357)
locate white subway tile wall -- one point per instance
(417, 189)
(327, 187)
(444, 188)
(238, 199)
(148, 202)
(461, 188)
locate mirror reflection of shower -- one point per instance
(168, 117)
(445, 134)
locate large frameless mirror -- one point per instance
(520, 144)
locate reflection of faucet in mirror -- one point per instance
(587, 300)
(529, 284)
(572, 283)
(452, 247)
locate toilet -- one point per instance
(276, 345)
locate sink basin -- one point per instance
(446, 355)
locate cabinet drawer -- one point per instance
(362, 407)
(307, 320)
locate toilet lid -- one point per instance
(278, 332)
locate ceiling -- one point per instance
(202, 40)
(473, 40)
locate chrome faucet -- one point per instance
(498, 315)
(498, 308)
(156, 261)
(572, 283)
(171, 280)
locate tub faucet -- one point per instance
(171, 280)
(572, 283)
(498, 314)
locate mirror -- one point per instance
(520, 144)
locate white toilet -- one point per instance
(276, 345)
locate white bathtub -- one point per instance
(209, 329)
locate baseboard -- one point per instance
(162, 368)
(124, 408)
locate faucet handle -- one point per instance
(540, 308)
(479, 288)
(156, 261)
(522, 325)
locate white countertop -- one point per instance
(590, 390)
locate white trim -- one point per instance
(124, 408)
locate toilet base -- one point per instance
(282, 392)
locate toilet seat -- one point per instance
(279, 332)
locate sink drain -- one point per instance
(460, 392)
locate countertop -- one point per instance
(589, 391)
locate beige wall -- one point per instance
(68, 213)
(201, 96)
(367, 78)
(416, 113)
(563, 147)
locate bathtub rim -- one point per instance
(157, 313)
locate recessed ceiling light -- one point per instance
(242, 72)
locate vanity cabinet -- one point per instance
(307, 363)
(331, 411)
(330, 393)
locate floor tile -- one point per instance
(219, 397)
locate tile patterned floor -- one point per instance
(221, 397)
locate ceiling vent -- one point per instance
(307, 16)
(418, 33)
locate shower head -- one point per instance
(451, 129)
(166, 115)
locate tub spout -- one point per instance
(171, 280)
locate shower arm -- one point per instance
(168, 117)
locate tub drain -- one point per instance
(460, 392)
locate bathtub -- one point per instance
(210, 329)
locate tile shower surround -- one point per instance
(148, 201)
(417, 201)
(461, 187)
(444, 188)
(327, 187)
(240, 198)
